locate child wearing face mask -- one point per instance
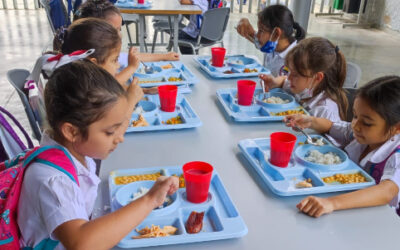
(104, 9)
(372, 140)
(317, 70)
(276, 27)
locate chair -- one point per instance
(350, 94)
(56, 14)
(129, 19)
(162, 25)
(17, 78)
(353, 75)
(212, 28)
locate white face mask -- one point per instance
(307, 92)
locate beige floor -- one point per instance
(25, 33)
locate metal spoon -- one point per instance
(310, 140)
(147, 69)
(262, 86)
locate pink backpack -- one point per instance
(11, 177)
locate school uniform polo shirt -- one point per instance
(275, 61)
(342, 132)
(318, 106)
(50, 198)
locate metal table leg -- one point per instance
(142, 20)
(176, 29)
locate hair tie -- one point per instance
(337, 49)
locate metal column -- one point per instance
(301, 12)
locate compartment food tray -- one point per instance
(282, 181)
(163, 73)
(235, 64)
(221, 218)
(132, 4)
(157, 118)
(258, 111)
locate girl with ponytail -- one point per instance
(317, 70)
(277, 34)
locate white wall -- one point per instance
(384, 14)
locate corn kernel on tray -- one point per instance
(302, 176)
(221, 218)
(148, 116)
(164, 72)
(234, 66)
(260, 110)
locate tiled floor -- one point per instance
(25, 33)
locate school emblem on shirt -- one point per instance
(284, 71)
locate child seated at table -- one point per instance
(277, 34)
(373, 141)
(192, 30)
(104, 9)
(317, 70)
(87, 110)
(95, 33)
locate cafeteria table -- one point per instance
(171, 8)
(273, 222)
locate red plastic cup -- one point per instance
(218, 56)
(282, 145)
(245, 89)
(197, 176)
(140, 1)
(167, 94)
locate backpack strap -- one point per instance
(56, 157)
(7, 126)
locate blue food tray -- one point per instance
(132, 4)
(231, 63)
(161, 76)
(221, 218)
(156, 117)
(258, 111)
(282, 181)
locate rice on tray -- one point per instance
(275, 100)
(327, 159)
(142, 191)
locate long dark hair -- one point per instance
(91, 33)
(318, 54)
(280, 16)
(96, 8)
(79, 93)
(383, 96)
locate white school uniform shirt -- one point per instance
(318, 106)
(343, 133)
(49, 198)
(191, 29)
(276, 61)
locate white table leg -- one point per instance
(141, 32)
(176, 29)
